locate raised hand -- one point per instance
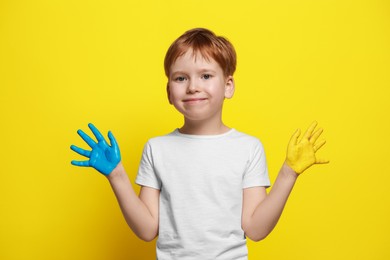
(302, 154)
(103, 157)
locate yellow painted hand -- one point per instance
(302, 154)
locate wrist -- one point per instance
(289, 171)
(117, 172)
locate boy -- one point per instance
(203, 186)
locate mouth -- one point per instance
(194, 99)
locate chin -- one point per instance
(198, 116)
(195, 118)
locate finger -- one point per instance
(113, 142)
(96, 132)
(319, 145)
(86, 138)
(315, 135)
(322, 161)
(80, 151)
(294, 137)
(310, 130)
(80, 163)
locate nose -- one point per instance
(192, 87)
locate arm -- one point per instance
(261, 212)
(141, 213)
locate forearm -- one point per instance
(268, 212)
(135, 212)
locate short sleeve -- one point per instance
(146, 174)
(256, 173)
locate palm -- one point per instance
(302, 154)
(102, 157)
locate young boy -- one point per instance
(203, 186)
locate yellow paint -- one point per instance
(301, 151)
(66, 63)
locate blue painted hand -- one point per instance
(103, 157)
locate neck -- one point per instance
(203, 128)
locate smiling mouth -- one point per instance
(194, 99)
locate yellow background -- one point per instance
(64, 64)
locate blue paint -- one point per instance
(103, 157)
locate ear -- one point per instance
(229, 87)
(169, 94)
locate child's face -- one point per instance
(197, 87)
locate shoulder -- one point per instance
(247, 139)
(162, 140)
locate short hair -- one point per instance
(209, 45)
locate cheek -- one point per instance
(175, 92)
(217, 91)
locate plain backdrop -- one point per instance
(64, 64)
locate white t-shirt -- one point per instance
(201, 180)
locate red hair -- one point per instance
(209, 45)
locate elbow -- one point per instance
(146, 232)
(147, 237)
(256, 235)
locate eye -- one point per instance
(206, 76)
(180, 78)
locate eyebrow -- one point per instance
(200, 71)
(207, 70)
